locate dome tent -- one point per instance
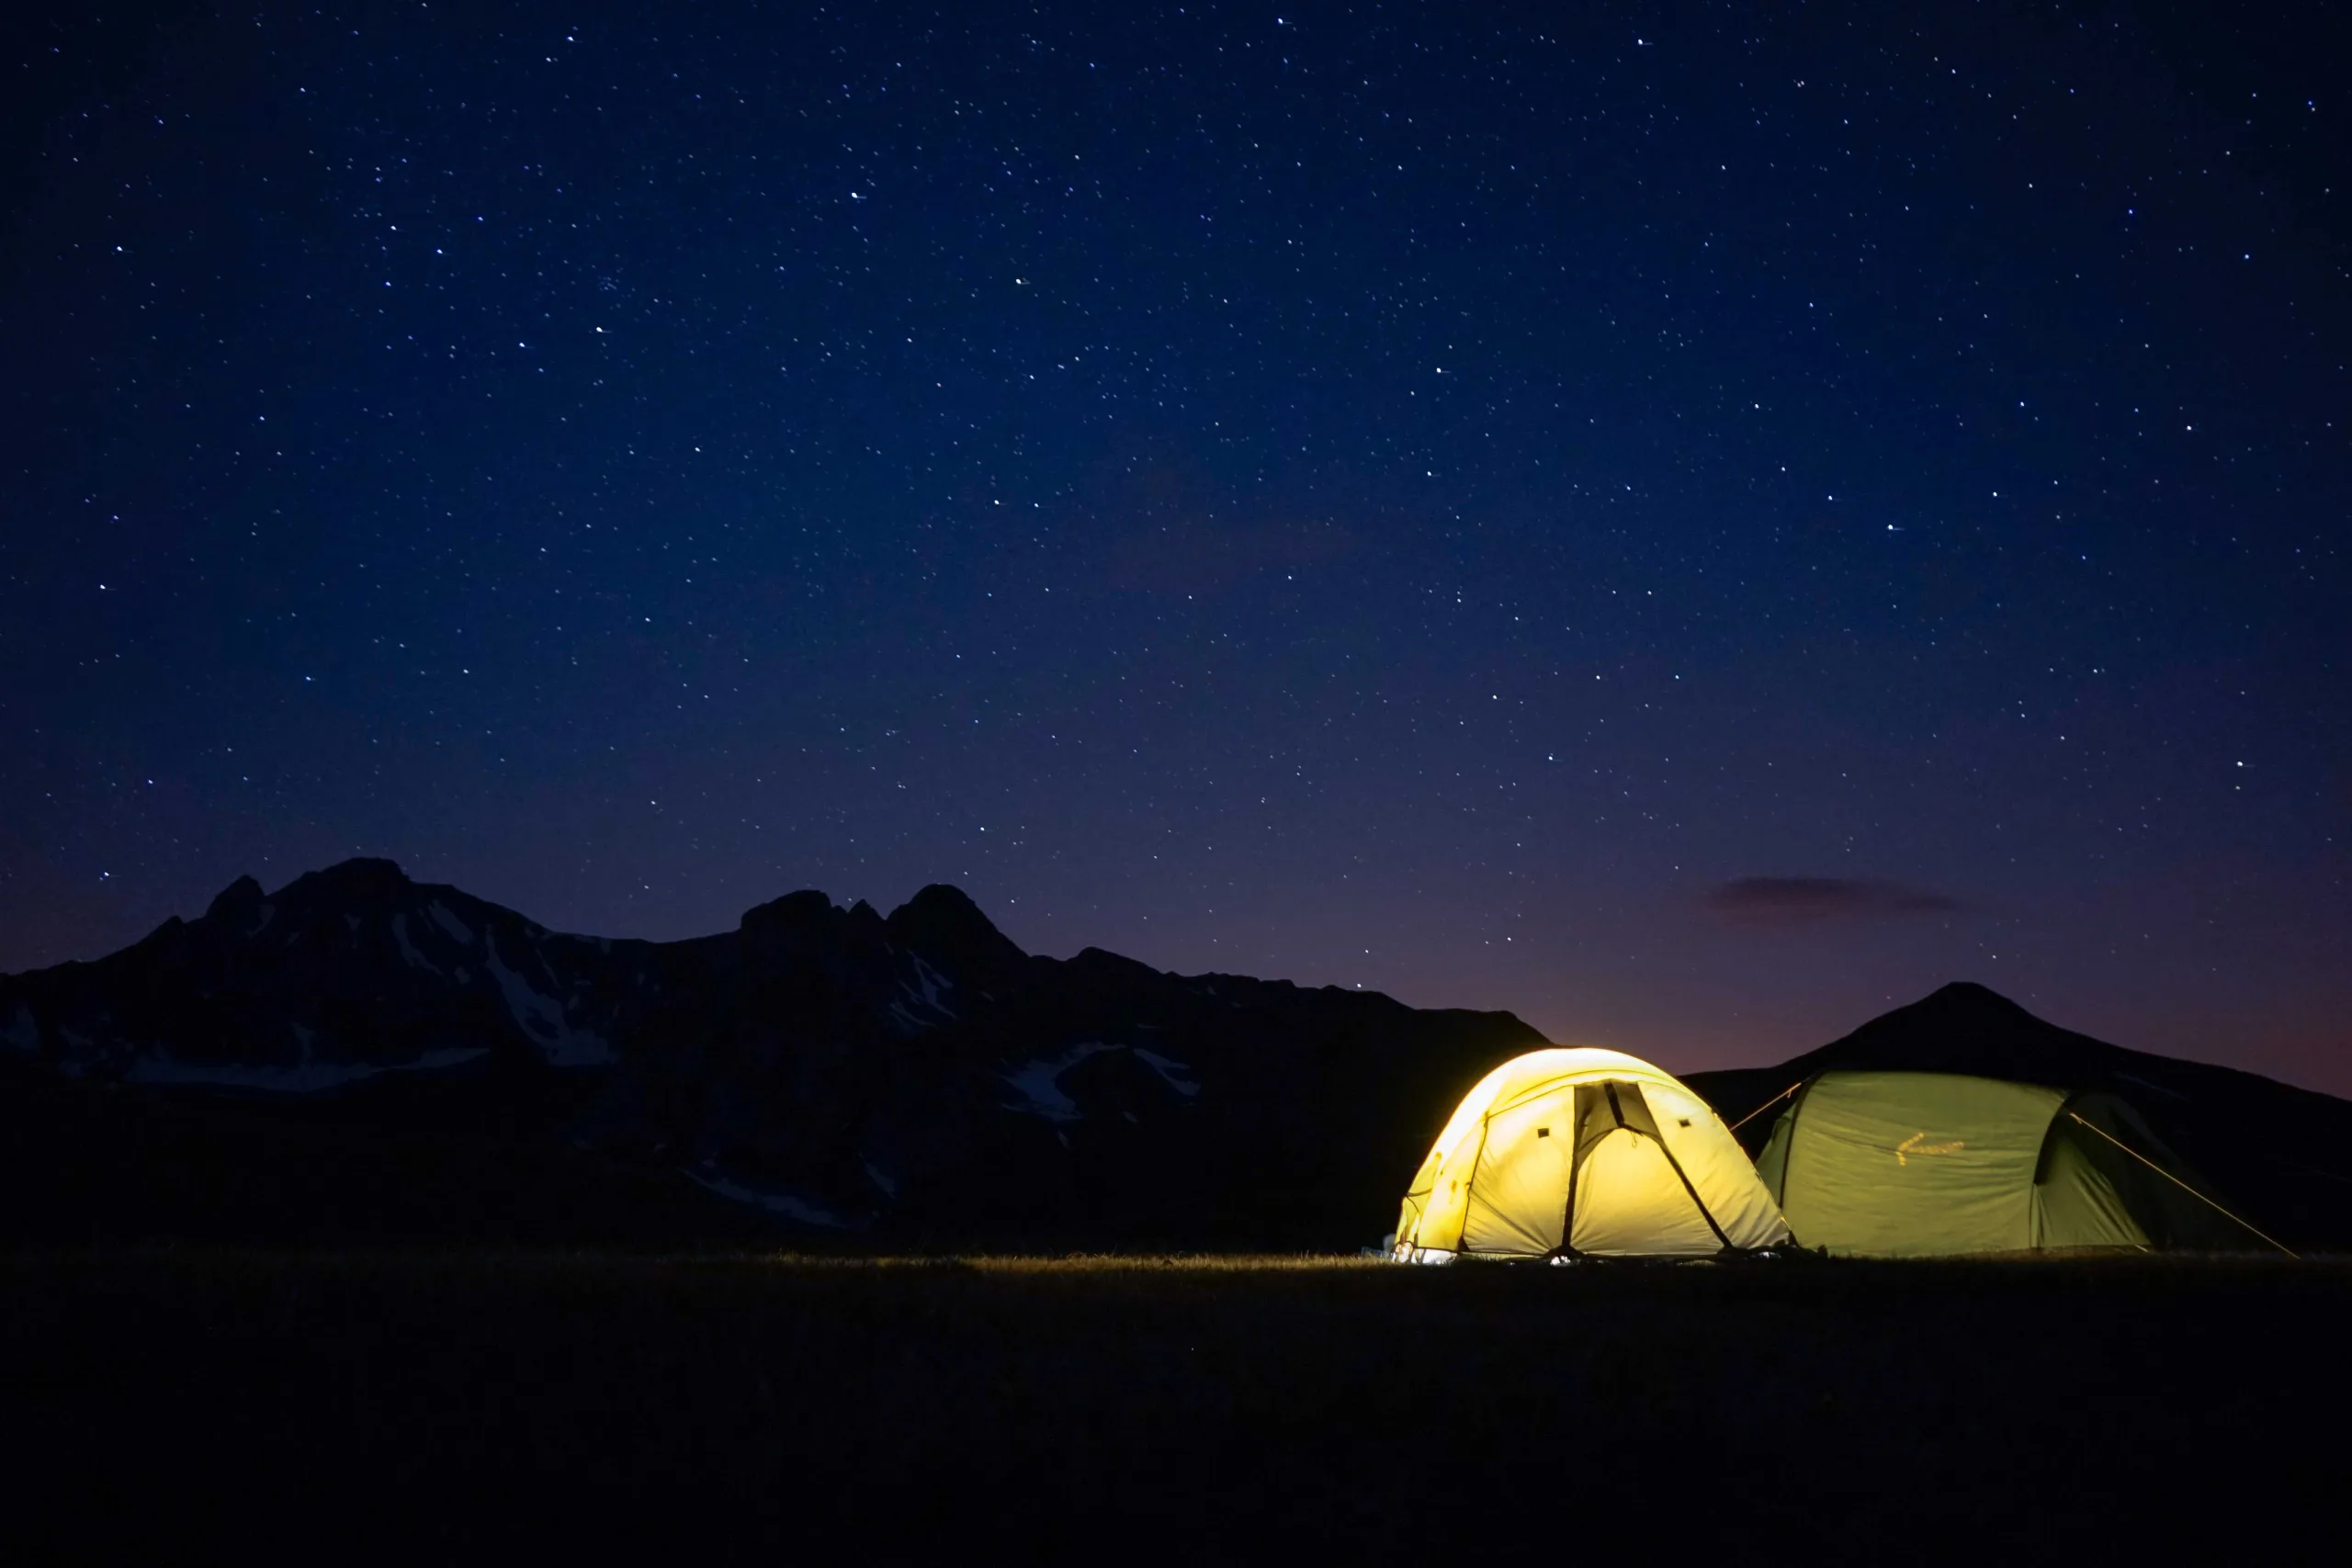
(1922, 1164)
(1602, 1146)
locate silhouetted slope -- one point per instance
(2280, 1155)
(361, 1056)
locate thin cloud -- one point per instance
(1810, 900)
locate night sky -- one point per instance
(1692, 524)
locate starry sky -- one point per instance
(1692, 524)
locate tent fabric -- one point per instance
(1921, 1164)
(1618, 1154)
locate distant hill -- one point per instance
(2280, 1155)
(359, 1058)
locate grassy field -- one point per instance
(247, 1406)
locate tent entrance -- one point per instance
(1611, 1125)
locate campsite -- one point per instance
(799, 783)
(1139, 1296)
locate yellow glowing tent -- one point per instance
(1922, 1164)
(1597, 1144)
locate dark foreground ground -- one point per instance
(248, 1407)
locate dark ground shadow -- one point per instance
(525, 1406)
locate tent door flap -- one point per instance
(1613, 1106)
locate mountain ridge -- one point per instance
(832, 1069)
(357, 1056)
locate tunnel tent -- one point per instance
(1579, 1152)
(1923, 1165)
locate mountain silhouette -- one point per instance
(358, 1057)
(361, 1056)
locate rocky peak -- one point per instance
(943, 924)
(238, 897)
(361, 879)
(1966, 998)
(807, 911)
(1964, 1027)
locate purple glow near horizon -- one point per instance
(1694, 543)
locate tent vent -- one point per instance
(1547, 1132)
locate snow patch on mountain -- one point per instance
(542, 1018)
(1169, 1071)
(24, 1031)
(1038, 1082)
(927, 993)
(415, 959)
(451, 923)
(783, 1203)
(934, 987)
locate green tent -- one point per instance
(1921, 1164)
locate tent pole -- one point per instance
(1697, 1202)
(1576, 1163)
(1470, 1185)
